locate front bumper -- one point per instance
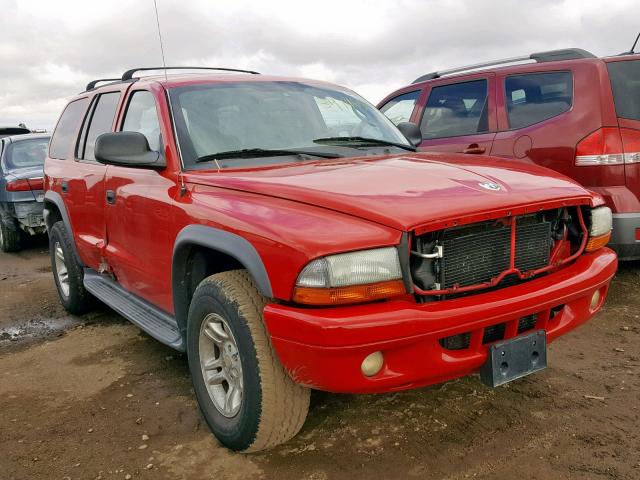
(324, 348)
(623, 236)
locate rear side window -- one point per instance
(62, 142)
(100, 122)
(142, 117)
(400, 108)
(625, 83)
(535, 97)
(454, 110)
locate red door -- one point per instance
(459, 116)
(139, 212)
(82, 186)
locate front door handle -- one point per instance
(64, 186)
(111, 197)
(474, 149)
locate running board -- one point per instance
(157, 323)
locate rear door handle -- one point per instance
(111, 197)
(64, 186)
(474, 149)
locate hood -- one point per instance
(404, 191)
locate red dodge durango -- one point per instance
(287, 236)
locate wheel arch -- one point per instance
(219, 251)
(55, 211)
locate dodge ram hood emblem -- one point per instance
(494, 187)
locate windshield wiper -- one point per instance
(363, 140)
(262, 152)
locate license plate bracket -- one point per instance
(515, 358)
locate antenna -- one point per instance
(634, 44)
(164, 64)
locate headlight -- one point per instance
(600, 228)
(350, 278)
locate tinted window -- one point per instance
(26, 153)
(625, 82)
(64, 135)
(142, 117)
(458, 109)
(100, 122)
(400, 108)
(535, 97)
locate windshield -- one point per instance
(232, 117)
(26, 153)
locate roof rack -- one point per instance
(540, 57)
(92, 85)
(128, 75)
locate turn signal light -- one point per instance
(349, 294)
(600, 241)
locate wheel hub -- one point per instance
(220, 365)
(62, 273)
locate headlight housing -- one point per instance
(599, 228)
(352, 277)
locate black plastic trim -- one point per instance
(128, 75)
(220, 241)
(54, 198)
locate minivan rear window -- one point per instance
(625, 83)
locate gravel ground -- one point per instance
(92, 397)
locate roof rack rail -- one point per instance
(540, 57)
(91, 85)
(128, 75)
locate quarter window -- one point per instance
(62, 142)
(142, 117)
(457, 109)
(535, 97)
(100, 122)
(400, 108)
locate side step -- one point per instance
(157, 323)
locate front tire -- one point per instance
(244, 393)
(67, 272)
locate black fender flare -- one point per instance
(219, 240)
(54, 197)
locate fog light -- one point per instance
(595, 300)
(372, 364)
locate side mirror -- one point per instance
(127, 149)
(412, 132)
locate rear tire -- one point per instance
(9, 235)
(67, 272)
(226, 333)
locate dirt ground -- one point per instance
(94, 398)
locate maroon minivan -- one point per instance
(563, 109)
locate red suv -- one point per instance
(569, 111)
(287, 236)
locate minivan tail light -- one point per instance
(602, 147)
(630, 145)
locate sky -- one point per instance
(50, 49)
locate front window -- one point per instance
(276, 116)
(400, 108)
(26, 153)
